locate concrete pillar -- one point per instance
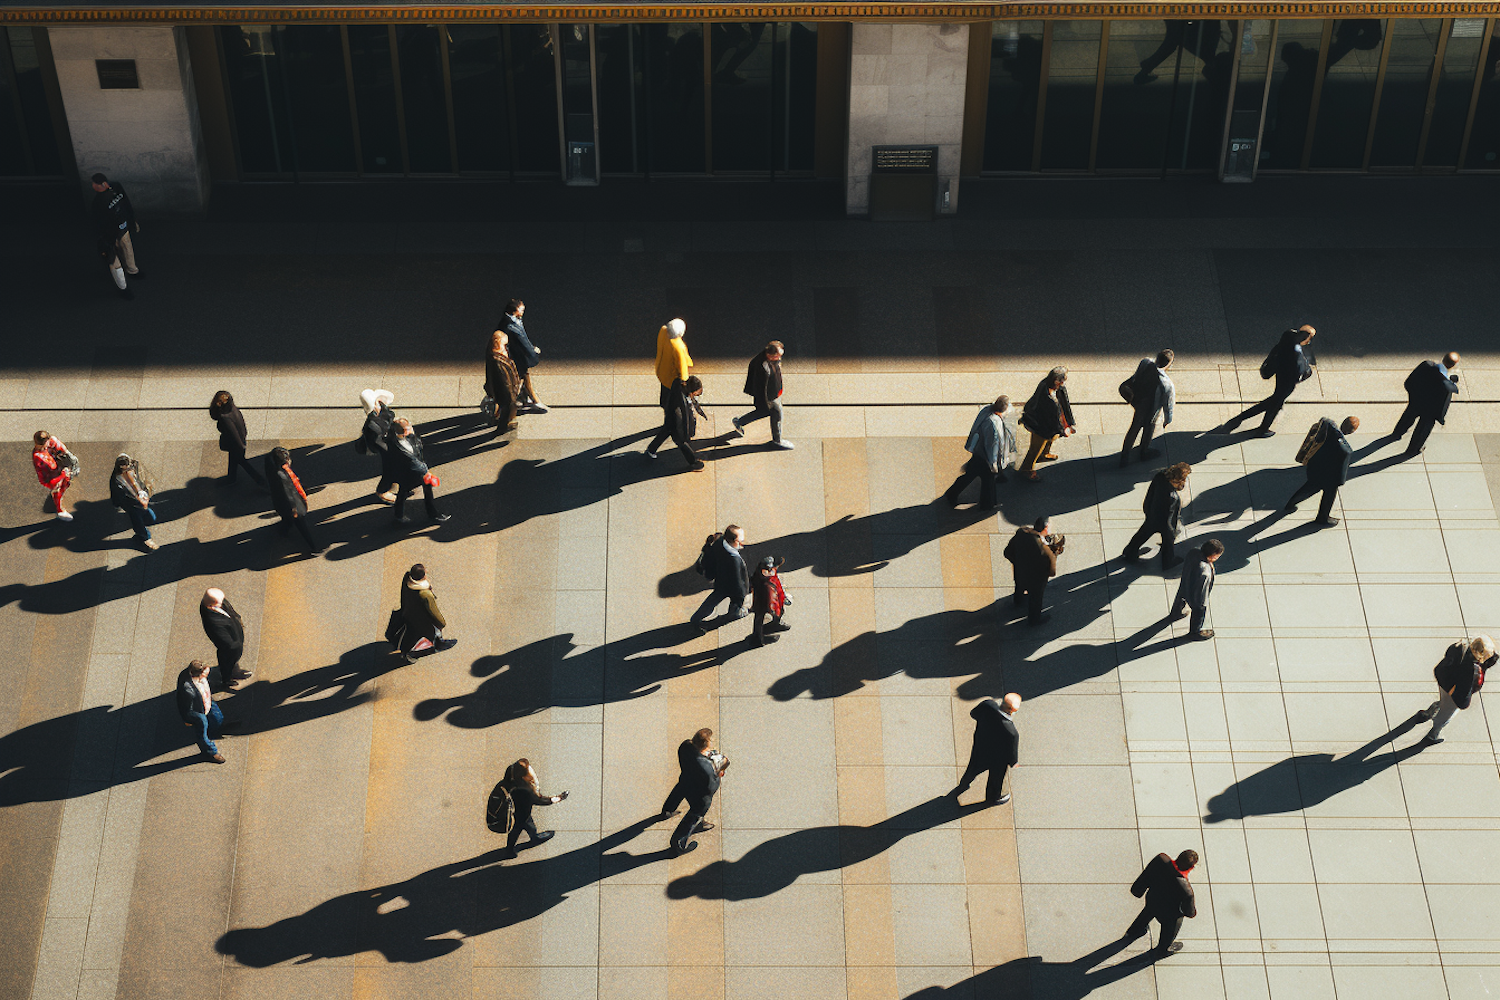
(906, 86)
(147, 138)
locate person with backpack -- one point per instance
(114, 221)
(233, 435)
(1048, 416)
(1163, 510)
(511, 803)
(1327, 454)
(767, 598)
(126, 493)
(991, 446)
(375, 438)
(1459, 675)
(720, 561)
(1290, 364)
(1151, 394)
(763, 385)
(680, 421)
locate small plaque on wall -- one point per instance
(904, 159)
(117, 74)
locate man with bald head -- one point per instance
(996, 746)
(222, 625)
(1429, 389)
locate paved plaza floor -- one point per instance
(342, 853)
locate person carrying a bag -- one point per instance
(127, 494)
(520, 783)
(54, 466)
(411, 472)
(502, 383)
(1290, 365)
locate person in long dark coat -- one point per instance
(1033, 562)
(376, 434)
(1429, 389)
(233, 436)
(1290, 366)
(1169, 898)
(226, 630)
(523, 352)
(1328, 469)
(289, 498)
(1163, 510)
(680, 421)
(996, 747)
(502, 382)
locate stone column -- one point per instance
(906, 86)
(147, 138)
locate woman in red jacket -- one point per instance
(53, 467)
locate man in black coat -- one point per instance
(996, 747)
(1289, 364)
(1048, 415)
(1163, 510)
(763, 385)
(1195, 587)
(288, 498)
(1033, 562)
(730, 575)
(522, 353)
(1429, 389)
(410, 469)
(114, 220)
(1459, 675)
(1328, 468)
(697, 783)
(1169, 898)
(225, 629)
(680, 420)
(199, 711)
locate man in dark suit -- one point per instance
(1429, 389)
(1327, 469)
(225, 629)
(199, 711)
(1169, 898)
(1048, 415)
(1459, 675)
(1290, 365)
(1033, 561)
(996, 747)
(522, 352)
(701, 770)
(730, 575)
(1163, 510)
(1197, 583)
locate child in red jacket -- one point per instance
(767, 598)
(53, 468)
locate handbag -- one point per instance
(489, 409)
(395, 629)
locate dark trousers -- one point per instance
(1168, 537)
(685, 447)
(976, 468)
(981, 760)
(1144, 424)
(1200, 615)
(300, 523)
(229, 662)
(206, 727)
(1170, 923)
(1307, 489)
(237, 460)
(758, 632)
(1270, 406)
(141, 519)
(689, 825)
(1035, 594)
(1424, 428)
(772, 410)
(523, 396)
(404, 491)
(528, 825)
(736, 604)
(675, 798)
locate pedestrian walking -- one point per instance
(226, 630)
(1151, 395)
(525, 355)
(1459, 675)
(54, 466)
(421, 615)
(991, 446)
(767, 598)
(680, 421)
(502, 383)
(411, 471)
(288, 498)
(701, 768)
(720, 560)
(521, 782)
(996, 747)
(1290, 364)
(1429, 389)
(199, 711)
(375, 438)
(1163, 510)
(763, 384)
(1327, 454)
(233, 436)
(1169, 898)
(114, 221)
(127, 493)
(672, 358)
(1032, 553)
(1197, 583)
(1048, 416)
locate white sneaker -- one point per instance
(63, 515)
(535, 408)
(783, 445)
(652, 454)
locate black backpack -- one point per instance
(500, 811)
(704, 566)
(1268, 367)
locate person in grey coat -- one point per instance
(1459, 676)
(730, 575)
(1197, 583)
(523, 353)
(1151, 394)
(1327, 469)
(991, 446)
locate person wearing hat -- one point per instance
(767, 598)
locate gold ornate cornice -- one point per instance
(127, 13)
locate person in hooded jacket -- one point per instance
(421, 614)
(1163, 510)
(376, 435)
(1152, 395)
(680, 421)
(288, 497)
(1290, 365)
(233, 436)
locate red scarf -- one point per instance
(295, 481)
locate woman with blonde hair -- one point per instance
(672, 358)
(502, 382)
(54, 466)
(521, 782)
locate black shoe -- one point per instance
(445, 644)
(1412, 453)
(403, 520)
(679, 849)
(1018, 598)
(1131, 555)
(1000, 801)
(1170, 949)
(665, 814)
(1327, 522)
(1266, 432)
(543, 837)
(440, 518)
(704, 827)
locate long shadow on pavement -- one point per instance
(1031, 978)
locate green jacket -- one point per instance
(419, 607)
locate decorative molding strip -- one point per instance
(837, 11)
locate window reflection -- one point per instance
(1015, 78)
(1069, 115)
(375, 98)
(1403, 96)
(1290, 101)
(1484, 143)
(1348, 96)
(1450, 110)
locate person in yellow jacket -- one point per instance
(672, 358)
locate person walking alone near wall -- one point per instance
(54, 469)
(991, 446)
(1163, 510)
(1152, 394)
(525, 355)
(1290, 364)
(114, 221)
(1459, 675)
(1048, 416)
(233, 435)
(763, 384)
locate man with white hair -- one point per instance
(1460, 675)
(225, 629)
(996, 747)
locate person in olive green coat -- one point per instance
(424, 619)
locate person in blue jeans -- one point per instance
(125, 493)
(199, 711)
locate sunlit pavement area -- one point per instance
(342, 850)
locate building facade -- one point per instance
(172, 102)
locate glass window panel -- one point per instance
(1455, 85)
(1197, 123)
(1071, 74)
(1403, 97)
(796, 94)
(743, 100)
(375, 98)
(1348, 93)
(674, 98)
(480, 125)
(534, 93)
(13, 161)
(1147, 62)
(1255, 60)
(620, 68)
(311, 58)
(1015, 76)
(423, 100)
(258, 99)
(1484, 141)
(31, 96)
(1285, 130)
(578, 89)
